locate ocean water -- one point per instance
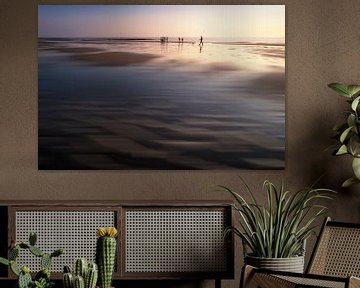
(216, 106)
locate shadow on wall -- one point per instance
(333, 170)
(314, 153)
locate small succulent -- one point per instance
(43, 283)
(84, 275)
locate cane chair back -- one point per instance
(337, 252)
(335, 262)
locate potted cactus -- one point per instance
(84, 275)
(106, 254)
(42, 278)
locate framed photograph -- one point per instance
(161, 87)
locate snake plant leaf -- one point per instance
(355, 103)
(349, 182)
(341, 89)
(278, 228)
(345, 134)
(342, 150)
(353, 89)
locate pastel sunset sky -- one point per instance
(229, 21)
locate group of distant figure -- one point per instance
(181, 40)
(165, 40)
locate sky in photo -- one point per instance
(229, 21)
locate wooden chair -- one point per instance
(335, 262)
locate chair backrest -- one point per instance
(337, 251)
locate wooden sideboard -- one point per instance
(157, 240)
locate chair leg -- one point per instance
(251, 279)
(246, 273)
(217, 282)
(262, 280)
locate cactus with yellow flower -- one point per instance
(106, 254)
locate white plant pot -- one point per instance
(291, 264)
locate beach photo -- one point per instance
(161, 87)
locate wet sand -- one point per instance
(115, 58)
(126, 144)
(252, 43)
(98, 56)
(78, 49)
(173, 113)
(278, 52)
(160, 131)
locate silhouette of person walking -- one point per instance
(201, 41)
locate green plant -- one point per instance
(42, 278)
(279, 229)
(85, 275)
(68, 278)
(43, 283)
(79, 282)
(80, 268)
(91, 276)
(105, 254)
(349, 131)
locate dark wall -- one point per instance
(322, 46)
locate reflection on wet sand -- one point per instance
(115, 58)
(102, 107)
